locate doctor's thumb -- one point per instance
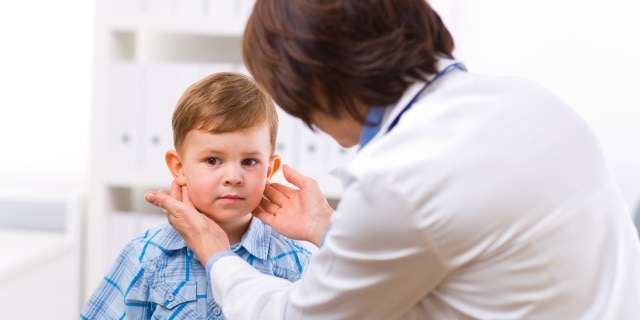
(157, 198)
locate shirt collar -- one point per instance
(256, 240)
(167, 238)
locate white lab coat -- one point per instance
(490, 199)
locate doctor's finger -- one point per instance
(268, 206)
(176, 191)
(185, 196)
(171, 206)
(278, 193)
(263, 215)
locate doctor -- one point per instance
(471, 196)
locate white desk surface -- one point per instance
(22, 250)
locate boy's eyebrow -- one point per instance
(210, 150)
(254, 153)
(217, 151)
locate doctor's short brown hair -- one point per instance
(223, 102)
(326, 55)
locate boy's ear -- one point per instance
(274, 165)
(174, 163)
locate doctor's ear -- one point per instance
(174, 163)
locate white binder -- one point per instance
(159, 96)
(187, 73)
(124, 115)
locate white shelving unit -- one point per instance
(146, 54)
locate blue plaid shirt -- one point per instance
(156, 276)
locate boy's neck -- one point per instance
(236, 229)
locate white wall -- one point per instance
(585, 51)
(45, 90)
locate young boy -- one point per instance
(224, 130)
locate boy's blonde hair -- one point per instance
(223, 102)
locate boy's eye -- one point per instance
(249, 162)
(213, 161)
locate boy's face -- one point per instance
(225, 173)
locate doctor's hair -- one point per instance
(223, 102)
(328, 55)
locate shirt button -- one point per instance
(169, 297)
(217, 311)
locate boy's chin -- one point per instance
(228, 216)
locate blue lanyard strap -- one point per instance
(375, 114)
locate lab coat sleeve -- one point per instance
(377, 262)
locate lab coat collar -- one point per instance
(393, 111)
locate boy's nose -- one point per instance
(233, 175)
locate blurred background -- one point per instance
(587, 52)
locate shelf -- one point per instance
(146, 54)
(152, 179)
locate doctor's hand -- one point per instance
(202, 235)
(302, 214)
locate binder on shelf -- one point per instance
(124, 115)
(187, 73)
(159, 96)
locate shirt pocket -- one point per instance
(175, 300)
